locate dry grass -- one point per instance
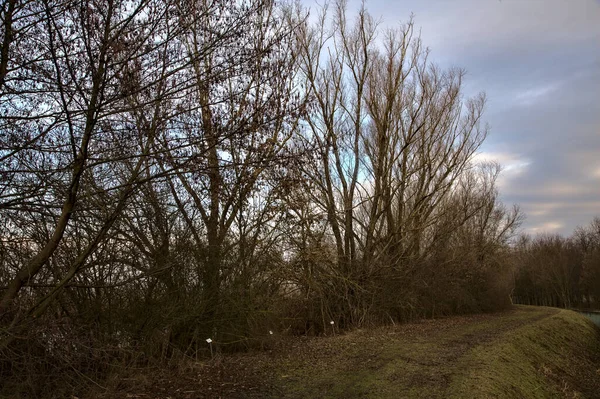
(527, 352)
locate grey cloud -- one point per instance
(539, 63)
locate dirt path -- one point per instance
(426, 359)
(418, 359)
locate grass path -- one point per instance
(421, 359)
(525, 352)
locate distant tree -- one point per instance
(559, 271)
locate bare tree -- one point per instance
(393, 136)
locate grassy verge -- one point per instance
(528, 352)
(554, 357)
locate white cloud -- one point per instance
(508, 160)
(541, 209)
(567, 190)
(513, 165)
(548, 227)
(535, 94)
(558, 216)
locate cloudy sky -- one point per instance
(539, 63)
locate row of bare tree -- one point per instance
(558, 271)
(177, 170)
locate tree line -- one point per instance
(172, 171)
(560, 271)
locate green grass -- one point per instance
(526, 353)
(553, 357)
